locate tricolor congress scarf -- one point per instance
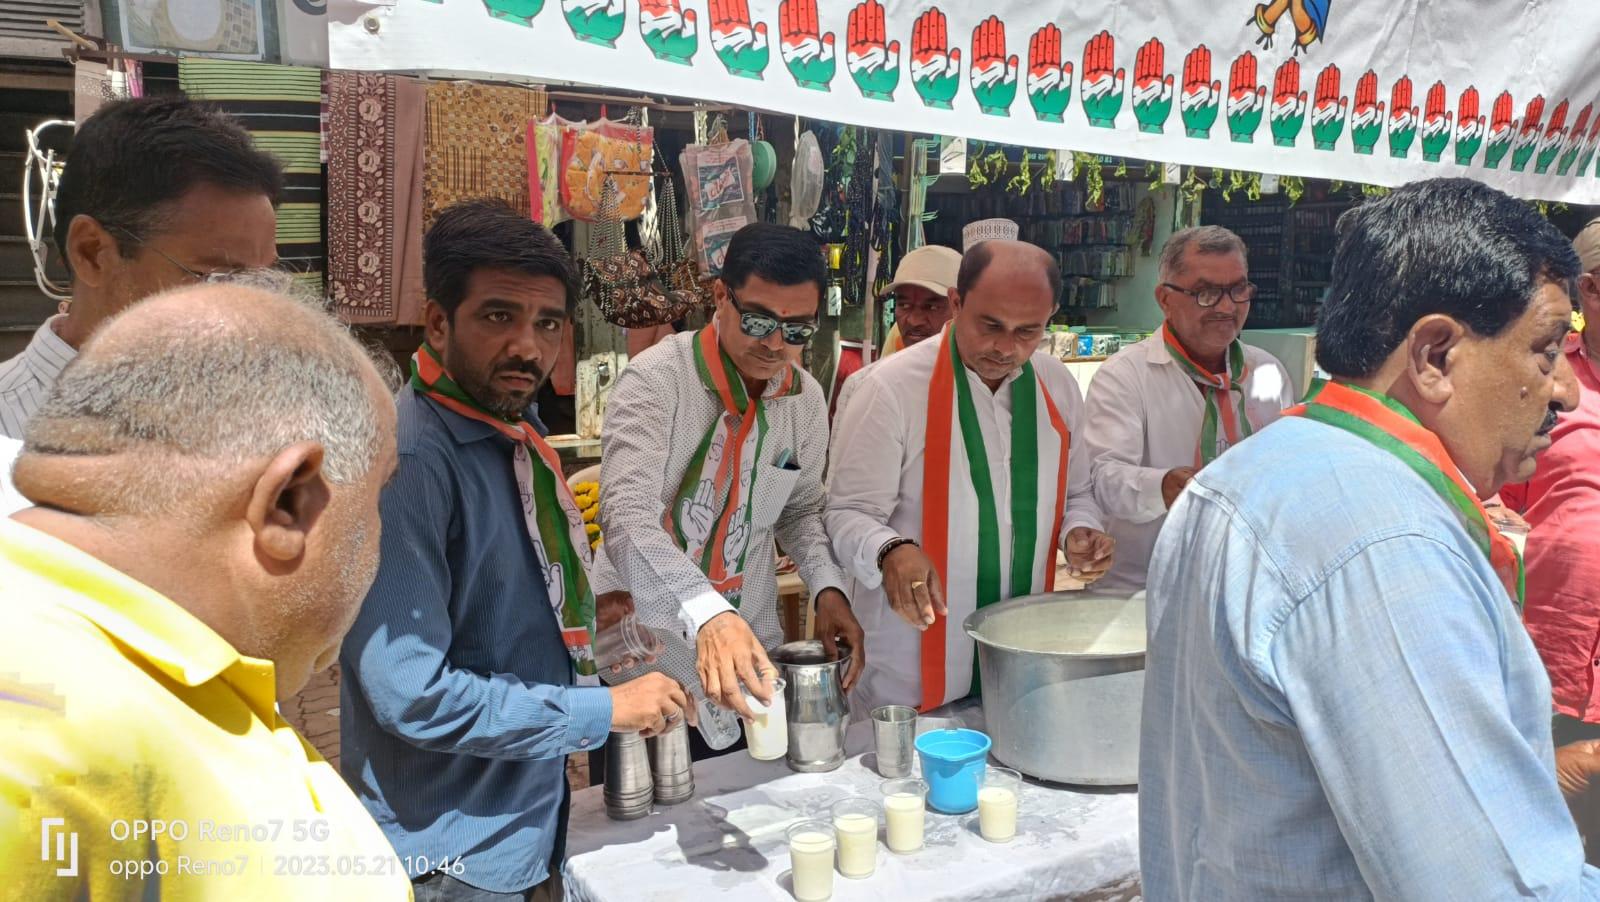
(955, 499)
(555, 526)
(1216, 387)
(710, 516)
(1389, 425)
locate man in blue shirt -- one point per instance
(1341, 701)
(458, 702)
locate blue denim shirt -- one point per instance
(1341, 701)
(457, 703)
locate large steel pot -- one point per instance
(1063, 682)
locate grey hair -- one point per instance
(1206, 239)
(214, 383)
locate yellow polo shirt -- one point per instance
(142, 757)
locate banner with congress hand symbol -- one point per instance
(1284, 87)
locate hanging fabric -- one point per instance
(375, 163)
(477, 144)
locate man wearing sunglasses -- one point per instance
(957, 476)
(714, 444)
(157, 193)
(1167, 406)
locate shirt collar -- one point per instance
(466, 430)
(1156, 351)
(48, 353)
(149, 626)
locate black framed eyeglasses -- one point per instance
(761, 325)
(1211, 296)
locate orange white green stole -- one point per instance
(961, 532)
(555, 525)
(710, 516)
(1217, 389)
(1386, 423)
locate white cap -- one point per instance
(932, 266)
(988, 230)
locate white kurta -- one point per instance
(875, 494)
(1144, 419)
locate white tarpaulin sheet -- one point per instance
(1376, 91)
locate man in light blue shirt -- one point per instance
(1341, 701)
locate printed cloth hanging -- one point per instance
(477, 138)
(281, 107)
(375, 141)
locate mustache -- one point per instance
(1550, 418)
(528, 368)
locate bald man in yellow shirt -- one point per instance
(206, 480)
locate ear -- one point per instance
(435, 325)
(286, 502)
(1163, 298)
(1589, 295)
(955, 301)
(92, 252)
(1433, 349)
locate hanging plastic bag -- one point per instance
(594, 153)
(718, 178)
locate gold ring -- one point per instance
(917, 584)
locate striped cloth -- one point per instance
(281, 107)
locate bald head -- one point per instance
(1004, 298)
(1009, 259)
(197, 380)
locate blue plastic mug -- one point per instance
(953, 763)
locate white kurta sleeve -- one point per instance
(864, 480)
(1125, 489)
(1082, 507)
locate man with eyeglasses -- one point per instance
(958, 475)
(1162, 409)
(714, 444)
(156, 193)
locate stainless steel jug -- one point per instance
(817, 711)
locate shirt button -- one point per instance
(583, 743)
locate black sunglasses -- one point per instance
(760, 325)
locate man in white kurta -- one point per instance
(926, 552)
(1162, 409)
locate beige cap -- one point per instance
(988, 230)
(932, 266)
(1587, 244)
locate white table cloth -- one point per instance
(728, 841)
